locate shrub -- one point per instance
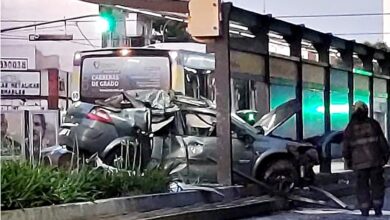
(24, 185)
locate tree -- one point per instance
(170, 30)
(378, 45)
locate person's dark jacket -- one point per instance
(364, 144)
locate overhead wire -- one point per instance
(32, 21)
(26, 38)
(342, 15)
(363, 33)
(86, 38)
(74, 41)
(281, 16)
(333, 15)
(278, 16)
(39, 28)
(8, 36)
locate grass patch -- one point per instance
(26, 186)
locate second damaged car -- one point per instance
(181, 136)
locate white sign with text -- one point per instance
(14, 63)
(20, 83)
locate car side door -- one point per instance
(242, 151)
(201, 142)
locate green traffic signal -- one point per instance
(106, 21)
(249, 116)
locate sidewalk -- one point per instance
(337, 166)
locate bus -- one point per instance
(101, 73)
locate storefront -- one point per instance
(31, 81)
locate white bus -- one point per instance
(101, 73)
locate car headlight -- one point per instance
(195, 149)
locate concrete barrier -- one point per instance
(125, 205)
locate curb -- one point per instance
(258, 206)
(196, 204)
(124, 205)
(249, 206)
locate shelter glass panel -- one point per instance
(339, 106)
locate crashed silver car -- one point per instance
(180, 133)
(187, 140)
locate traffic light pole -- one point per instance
(107, 39)
(220, 47)
(213, 29)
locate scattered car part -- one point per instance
(332, 197)
(298, 198)
(180, 186)
(290, 196)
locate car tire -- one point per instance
(281, 175)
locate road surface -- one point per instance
(328, 214)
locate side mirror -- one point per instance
(247, 139)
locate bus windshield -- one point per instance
(102, 77)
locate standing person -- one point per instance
(366, 151)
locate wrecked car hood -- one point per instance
(154, 98)
(159, 101)
(272, 120)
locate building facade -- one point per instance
(32, 81)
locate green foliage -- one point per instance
(378, 45)
(172, 30)
(24, 186)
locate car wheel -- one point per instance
(280, 175)
(123, 158)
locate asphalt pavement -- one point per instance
(328, 213)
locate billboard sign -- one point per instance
(15, 83)
(12, 134)
(103, 77)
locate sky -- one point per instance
(48, 10)
(335, 25)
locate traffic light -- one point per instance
(249, 116)
(204, 18)
(107, 20)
